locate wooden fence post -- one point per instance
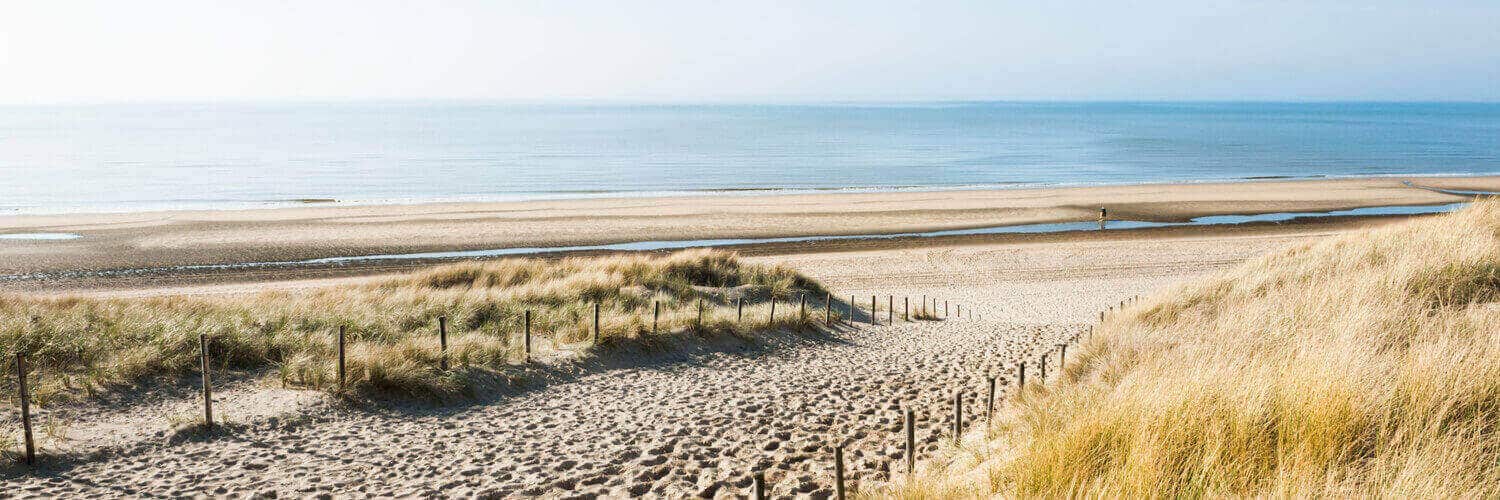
(760, 485)
(911, 441)
(596, 322)
(959, 311)
(923, 310)
(700, 314)
(655, 314)
(341, 358)
(526, 349)
(989, 401)
(873, 318)
(1062, 357)
(443, 343)
(208, 393)
(802, 307)
(1043, 368)
(958, 415)
(906, 309)
(851, 310)
(772, 319)
(945, 309)
(25, 408)
(838, 472)
(739, 307)
(890, 309)
(1021, 378)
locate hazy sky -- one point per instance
(113, 50)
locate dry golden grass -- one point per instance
(1363, 365)
(80, 345)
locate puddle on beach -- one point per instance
(39, 236)
(1055, 227)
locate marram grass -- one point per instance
(81, 345)
(1363, 365)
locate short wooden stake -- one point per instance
(958, 310)
(739, 307)
(772, 319)
(655, 314)
(341, 357)
(923, 310)
(526, 341)
(700, 314)
(25, 408)
(890, 309)
(906, 309)
(945, 309)
(911, 441)
(828, 309)
(838, 472)
(208, 392)
(596, 323)
(760, 485)
(1062, 357)
(1021, 378)
(851, 310)
(989, 401)
(873, 318)
(802, 308)
(1043, 368)
(958, 415)
(442, 342)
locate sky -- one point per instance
(759, 51)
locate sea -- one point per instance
(160, 156)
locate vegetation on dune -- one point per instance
(1363, 365)
(82, 345)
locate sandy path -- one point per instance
(682, 424)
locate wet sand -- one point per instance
(166, 239)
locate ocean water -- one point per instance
(92, 158)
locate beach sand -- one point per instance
(668, 423)
(166, 239)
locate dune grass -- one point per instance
(79, 346)
(1364, 365)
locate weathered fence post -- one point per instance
(526, 339)
(772, 319)
(945, 309)
(989, 401)
(923, 310)
(596, 322)
(838, 472)
(341, 357)
(911, 441)
(442, 342)
(25, 408)
(655, 314)
(906, 309)
(873, 319)
(958, 415)
(802, 307)
(959, 311)
(1021, 378)
(760, 485)
(890, 309)
(1043, 368)
(851, 310)
(700, 314)
(739, 308)
(208, 393)
(1062, 357)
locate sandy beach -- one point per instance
(167, 239)
(689, 423)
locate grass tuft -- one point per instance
(1363, 365)
(77, 346)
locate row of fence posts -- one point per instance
(909, 415)
(342, 367)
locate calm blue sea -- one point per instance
(145, 157)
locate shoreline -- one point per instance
(583, 195)
(209, 238)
